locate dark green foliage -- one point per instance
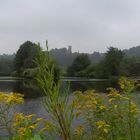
(104, 65)
(134, 51)
(6, 64)
(96, 57)
(110, 66)
(25, 56)
(101, 70)
(130, 66)
(64, 57)
(113, 59)
(47, 61)
(80, 63)
(30, 72)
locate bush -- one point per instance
(30, 73)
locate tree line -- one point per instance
(96, 65)
(114, 64)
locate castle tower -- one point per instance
(69, 49)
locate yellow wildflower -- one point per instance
(111, 100)
(15, 98)
(22, 131)
(29, 117)
(102, 107)
(78, 106)
(19, 117)
(103, 126)
(88, 118)
(79, 130)
(133, 108)
(127, 85)
(3, 97)
(48, 125)
(78, 114)
(32, 126)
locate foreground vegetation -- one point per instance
(113, 116)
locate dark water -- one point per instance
(30, 89)
(34, 98)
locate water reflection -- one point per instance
(99, 86)
(30, 89)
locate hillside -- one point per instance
(134, 51)
(64, 56)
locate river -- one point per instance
(33, 97)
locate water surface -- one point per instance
(34, 97)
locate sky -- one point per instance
(86, 25)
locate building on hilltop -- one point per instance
(69, 49)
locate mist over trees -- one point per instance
(6, 64)
(65, 56)
(134, 51)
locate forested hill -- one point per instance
(64, 56)
(134, 51)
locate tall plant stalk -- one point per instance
(58, 109)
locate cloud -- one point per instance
(87, 25)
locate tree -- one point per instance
(6, 64)
(80, 63)
(110, 66)
(130, 66)
(25, 56)
(113, 59)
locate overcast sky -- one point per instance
(86, 25)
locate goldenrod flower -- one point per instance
(127, 85)
(29, 117)
(133, 108)
(79, 130)
(102, 107)
(103, 126)
(15, 98)
(22, 131)
(19, 117)
(3, 97)
(32, 126)
(48, 125)
(78, 114)
(111, 100)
